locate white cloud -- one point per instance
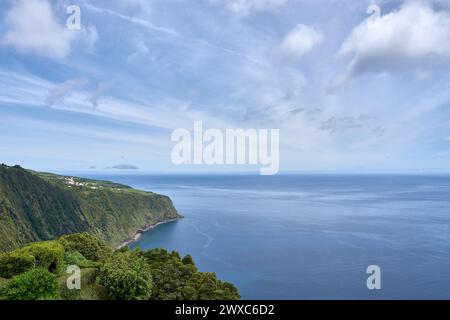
(300, 41)
(31, 26)
(245, 7)
(411, 36)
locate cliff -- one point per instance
(41, 206)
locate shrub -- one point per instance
(127, 276)
(35, 284)
(14, 263)
(73, 258)
(89, 246)
(89, 264)
(48, 255)
(3, 285)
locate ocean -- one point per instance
(310, 236)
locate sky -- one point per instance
(355, 86)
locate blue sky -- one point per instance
(348, 91)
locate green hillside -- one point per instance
(41, 206)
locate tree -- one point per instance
(208, 287)
(178, 279)
(187, 260)
(89, 246)
(127, 276)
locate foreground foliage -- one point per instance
(127, 276)
(37, 271)
(35, 284)
(48, 255)
(87, 245)
(179, 279)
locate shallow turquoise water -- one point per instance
(310, 236)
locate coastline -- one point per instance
(140, 232)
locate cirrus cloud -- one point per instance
(244, 8)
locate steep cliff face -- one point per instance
(37, 206)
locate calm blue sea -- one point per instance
(310, 236)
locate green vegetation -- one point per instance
(35, 284)
(179, 279)
(87, 245)
(127, 276)
(37, 272)
(14, 263)
(48, 255)
(42, 206)
(90, 289)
